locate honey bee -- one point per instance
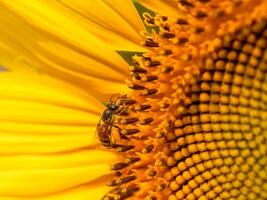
(106, 123)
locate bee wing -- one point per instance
(95, 139)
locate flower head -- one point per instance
(193, 125)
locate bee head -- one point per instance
(111, 105)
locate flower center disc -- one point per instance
(195, 125)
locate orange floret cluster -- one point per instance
(195, 124)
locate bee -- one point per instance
(106, 123)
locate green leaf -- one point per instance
(127, 55)
(141, 9)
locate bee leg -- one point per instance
(123, 136)
(122, 111)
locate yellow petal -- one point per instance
(43, 101)
(41, 88)
(47, 129)
(74, 20)
(44, 181)
(11, 59)
(80, 193)
(55, 41)
(123, 19)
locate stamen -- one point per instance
(151, 63)
(168, 35)
(165, 52)
(149, 78)
(132, 160)
(147, 92)
(166, 69)
(186, 3)
(112, 183)
(125, 180)
(142, 107)
(182, 22)
(148, 19)
(198, 30)
(150, 43)
(181, 40)
(128, 120)
(164, 105)
(127, 101)
(123, 148)
(123, 193)
(137, 69)
(127, 192)
(123, 113)
(200, 14)
(152, 173)
(136, 76)
(161, 187)
(135, 86)
(148, 149)
(132, 189)
(130, 131)
(164, 18)
(146, 121)
(160, 134)
(119, 166)
(117, 173)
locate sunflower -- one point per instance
(190, 122)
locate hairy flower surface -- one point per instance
(192, 123)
